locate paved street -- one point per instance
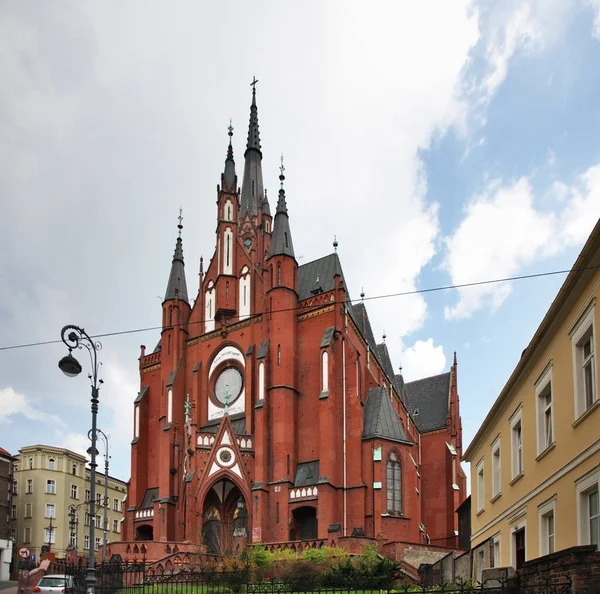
(8, 587)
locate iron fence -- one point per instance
(140, 577)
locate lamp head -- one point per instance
(70, 366)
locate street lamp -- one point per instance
(106, 459)
(76, 338)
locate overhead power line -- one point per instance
(387, 296)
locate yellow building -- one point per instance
(50, 506)
(535, 461)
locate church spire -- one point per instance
(228, 179)
(281, 241)
(252, 185)
(177, 287)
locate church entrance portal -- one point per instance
(144, 532)
(305, 524)
(225, 519)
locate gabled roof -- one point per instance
(307, 474)
(361, 319)
(384, 358)
(238, 422)
(398, 383)
(3, 452)
(149, 496)
(430, 397)
(380, 418)
(324, 269)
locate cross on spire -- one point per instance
(180, 219)
(253, 84)
(230, 129)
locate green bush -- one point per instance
(285, 555)
(260, 557)
(301, 576)
(314, 555)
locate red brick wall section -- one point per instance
(580, 564)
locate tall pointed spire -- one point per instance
(281, 239)
(177, 287)
(229, 178)
(252, 185)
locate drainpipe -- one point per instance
(344, 426)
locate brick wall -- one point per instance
(580, 564)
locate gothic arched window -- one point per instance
(394, 485)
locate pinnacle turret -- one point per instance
(252, 185)
(229, 179)
(281, 239)
(177, 287)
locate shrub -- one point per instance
(285, 555)
(260, 557)
(314, 555)
(301, 576)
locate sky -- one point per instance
(440, 142)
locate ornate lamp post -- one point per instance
(77, 338)
(106, 459)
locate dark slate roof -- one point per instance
(380, 418)
(252, 184)
(141, 394)
(265, 205)
(238, 422)
(430, 397)
(158, 348)
(149, 496)
(263, 350)
(361, 319)
(398, 382)
(327, 336)
(325, 269)
(229, 173)
(307, 474)
(281, 238)
(384, 358)
(177, 286)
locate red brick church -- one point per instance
(268, 412)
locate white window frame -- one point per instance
(116, 526)
(50, 513)
(545, 510)
(209, 314)
(325, 371)
(50, 535)
(496, 468)
(480, 477)
(244, 296)
(480, 563)
(13, 512)
(585, 485)
(51, 463)
(50, 486)
(74, 492)
(29, 487)
(86, 541)
(136, 421)
(513, 550)
(170, 405)
(496, 548)
(517, 419)
(28, 510)
(541, 389)
(116, 505)
(27, 534)
(97, 543)
(578, 339)
(261, 380)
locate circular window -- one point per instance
(225, 456)
(228, 385)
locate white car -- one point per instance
(55, 584)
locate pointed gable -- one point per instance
(380, 419)
(177, 287)
(427, 401)
(384, 358)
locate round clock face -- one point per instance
(228, 385)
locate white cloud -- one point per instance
(595, 4)
(422, 359)
(76, 442)
(13, 404)
(503, 231)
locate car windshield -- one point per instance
(53, 582)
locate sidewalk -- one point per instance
(8, 587)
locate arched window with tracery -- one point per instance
(394, 484)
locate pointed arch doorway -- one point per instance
(224, 519)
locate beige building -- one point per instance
(535, 461)
(50, 506)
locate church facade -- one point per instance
(268, 412)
